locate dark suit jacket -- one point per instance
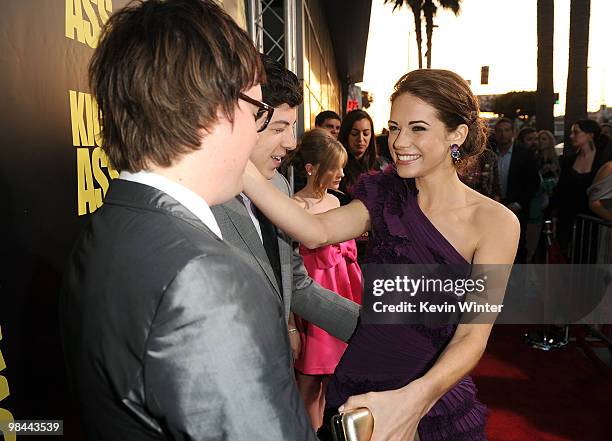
(523, 180)
(300, 293)
(168, 334)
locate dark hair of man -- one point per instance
(282, 86)
(524, 132)
(504, 120)
(162, 72)
(326, 114)
(369, 161)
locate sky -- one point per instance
(500, 34)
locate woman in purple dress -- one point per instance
(418, 211)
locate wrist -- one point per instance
(423, 391)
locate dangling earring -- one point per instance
(309, 173)
(455, 153)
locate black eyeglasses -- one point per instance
(264, 112)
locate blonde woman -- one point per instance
(321, 159)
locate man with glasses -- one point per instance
(268, 250)
(168, 332)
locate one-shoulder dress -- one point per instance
(387, 357)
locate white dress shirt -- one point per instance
(182, 194)
(503, 163)
(249, 206)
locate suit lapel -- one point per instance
(240, 218)
(285, 249)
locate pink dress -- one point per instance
(334, 267)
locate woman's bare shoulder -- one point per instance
(491, 215)
(332, 200)
(496, 231)
(604, 171)
(301, 201)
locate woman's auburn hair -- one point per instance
(455, 104)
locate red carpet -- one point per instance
(545, 396)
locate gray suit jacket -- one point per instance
(169, 334)
(300, 293)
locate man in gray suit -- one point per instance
(269, 250)
(168, 333)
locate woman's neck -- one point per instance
(586, 150)
(440, 188)
(309, 190)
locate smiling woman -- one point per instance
(429, 107)
(418, 212)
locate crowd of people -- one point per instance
(188, 313)
(520, 169)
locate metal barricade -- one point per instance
(592, 244)
(591, 240)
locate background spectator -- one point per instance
(330, 121)
(518, 176)
(578, 171)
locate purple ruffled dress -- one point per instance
(386, 357)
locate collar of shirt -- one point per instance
(249, 206)
(182, 194)
(509, 152)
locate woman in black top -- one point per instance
(357, 137)
(577, 173)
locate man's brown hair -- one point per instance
(161, 72)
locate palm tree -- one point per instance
(415, 6)
(545, 95)
(429, 11)
(576, 96)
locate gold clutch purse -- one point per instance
(353, 425)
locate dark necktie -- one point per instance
(270, 243)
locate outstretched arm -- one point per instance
(313, 231)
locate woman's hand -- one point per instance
(396, 412)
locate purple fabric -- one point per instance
(385, 357)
